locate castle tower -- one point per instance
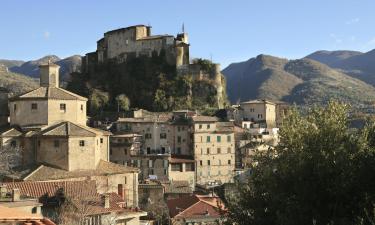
(49, 75)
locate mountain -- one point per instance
(356, 64)
(11, 63)
(67, 66)
(16, 83)
(301, 81)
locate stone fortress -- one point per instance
(131, 42)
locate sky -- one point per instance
(222, 30)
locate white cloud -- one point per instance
(352, 21)
(46, 34)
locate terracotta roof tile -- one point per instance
(47, 173)
(49, 93)
(204, 119)
(195, 206)
(39, 189)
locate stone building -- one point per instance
(169, 147)
(134, 41)
(49, 125)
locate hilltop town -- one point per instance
(142, 165)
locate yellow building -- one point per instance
(48, 125)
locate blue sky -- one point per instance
(229, 31)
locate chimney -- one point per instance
(16, 195)
(49, 75)
(121, 191)
(106, 201)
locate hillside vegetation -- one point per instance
(356, 64)
(148, 82)
(16, 83)
(302, 81)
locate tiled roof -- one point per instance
(12, 132)
(195, 206)
(258, 101)
(67, 128)
(204, 119)
(94, 205)
(49, 93)
(47, 173)
(39, 189)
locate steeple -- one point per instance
(49, 74)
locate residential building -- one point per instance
(214, 150)
(48, 124)
(195, 209)
(88, 206)
(10, 216)
(170, 147)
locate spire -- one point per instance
(183, 27)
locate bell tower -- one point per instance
(49, 75)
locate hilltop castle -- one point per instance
(135, 41)
(131, 42)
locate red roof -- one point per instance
(39, 189)
(9, 215)
(195, 206)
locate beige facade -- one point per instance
(135, 41)
(259, 111)
(196, 149)
(214, 152)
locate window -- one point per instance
(208, 151)
(176, 167)
(229, 138)
(150, 163)
(81, 107)
(34, 106)
(148, 150)
(162, 150)
(260, 116)
(110, 151)
(125, 151)
(148, 136)
(151, 172)
(163, 136)
(15, 107)
(13, 143)
(228, 162)
(81, 143)
(165, 172)
(208, 162)
(208, 139)
(218, 138)
(218, 150)
(200, 162)
(178, 150)
(229, 150)
(34, 210)
(208, 126)
(63, 107)
(101, 140)
(200, 126)
(165, 163)
(178, 139)
(56, 143)
(178, 129)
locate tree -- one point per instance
(320, 173)
(98, 100)
(10, 158)
(123, 102)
